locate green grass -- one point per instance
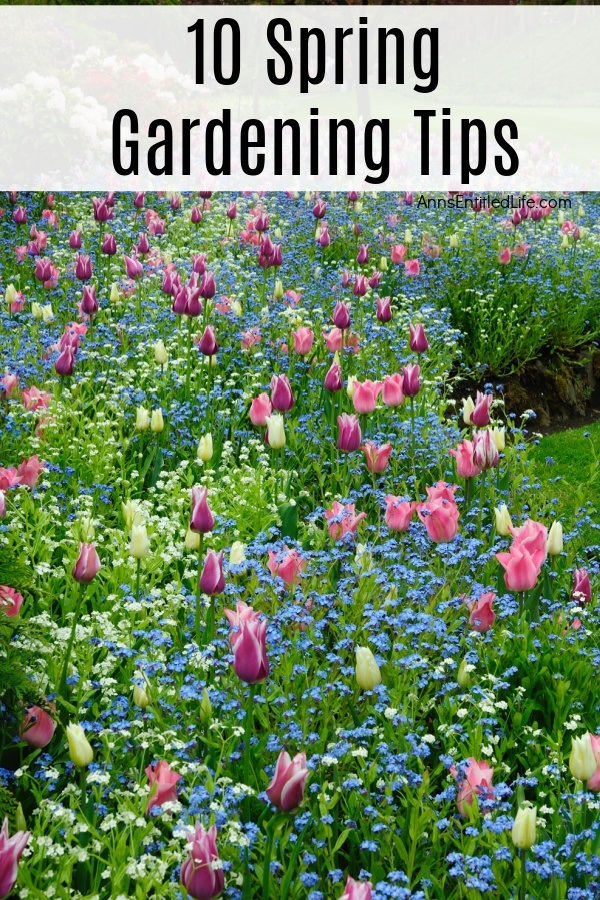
(568, 465)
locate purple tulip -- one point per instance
(75, 240)
(282, 398)
(418, 339)
(481, 414)
(83, 268)
(485, 452)
(341, 316)
(362, 256)
(212, 580)
(384, 309)
(102, 209)
(333, 379)
(202, 879)
(65, 364)
(88, 564)
(43, 268)
(582, 590)
(196, 215)
(286, 790)
(89, 304)
(201, 519)
(411, 384)
(349, 434)
(133, 267)
(208, 342)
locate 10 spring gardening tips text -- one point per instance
(299, 63)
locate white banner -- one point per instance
(488, 98)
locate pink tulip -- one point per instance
(208, 287)
(334, 341)
(349, 434)
(34, 399)
(303, 340)
(163, 784)
(207, 344)
(20, 215)
(9, 478)
(212, 580)
(481, 614)
(398, 513)
(481, 414)
(139, 200)
(478, 781)
(485, 452)
(384, 309)
(504, 256)
(398, 253)
(324, 239)
(242, 613)
(250, 660)
(196, 215)
(286, 790)
(412, 267)
(343, 520)
(360, 286)
(411, 384)
(260, 410)
(533, 537)
(465, 467)
(282, 399)
(11, 850)
(29, 471)
(201, 874)
(594, 782)
(9, 384)
(87, 565)
(418, 338)
(442, 491)
(582, 591)
(133, 267)
(38, 728)
(440, 518)
(341, 316)
(520, 570)
(232, 211)
(377, 458)
(288, 564)
(10, 601)
(319, 209)
(392, 393)
(201, 519)
(83, 268)
(365, 395)
(43, 268)
(357, 890)
(374, 282)
(2, 505)
(333, 379)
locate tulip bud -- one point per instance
(503, 522)
(561, 218)
(235, 307)
(131, 513)
(142, 419)
(565, 242)
(523, 830)
(157, 422)
(278, 292)
(351, 388)
(80, 750)
(463, 678)
(160, 353)
(86, 530)
(139, 545)
(453, 241)
(205, 708)
(87, 565)
(37, 311)
(10, 295)
(367, 670)
(237, 554)
(499, 438)
(582, 761)
(115, 294)
(408, 238)
(554, 545)
(140, 697)
(275, 431)
(192, 540)
(383, 264)
(468, 410)
(47, 313)
(205, 448)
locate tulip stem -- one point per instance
(247, 737)
(199, 592)
(137, 580)
(62, 684)
(481, 501)
(189, 358)
(523, 889)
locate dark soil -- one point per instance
(562, 390)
